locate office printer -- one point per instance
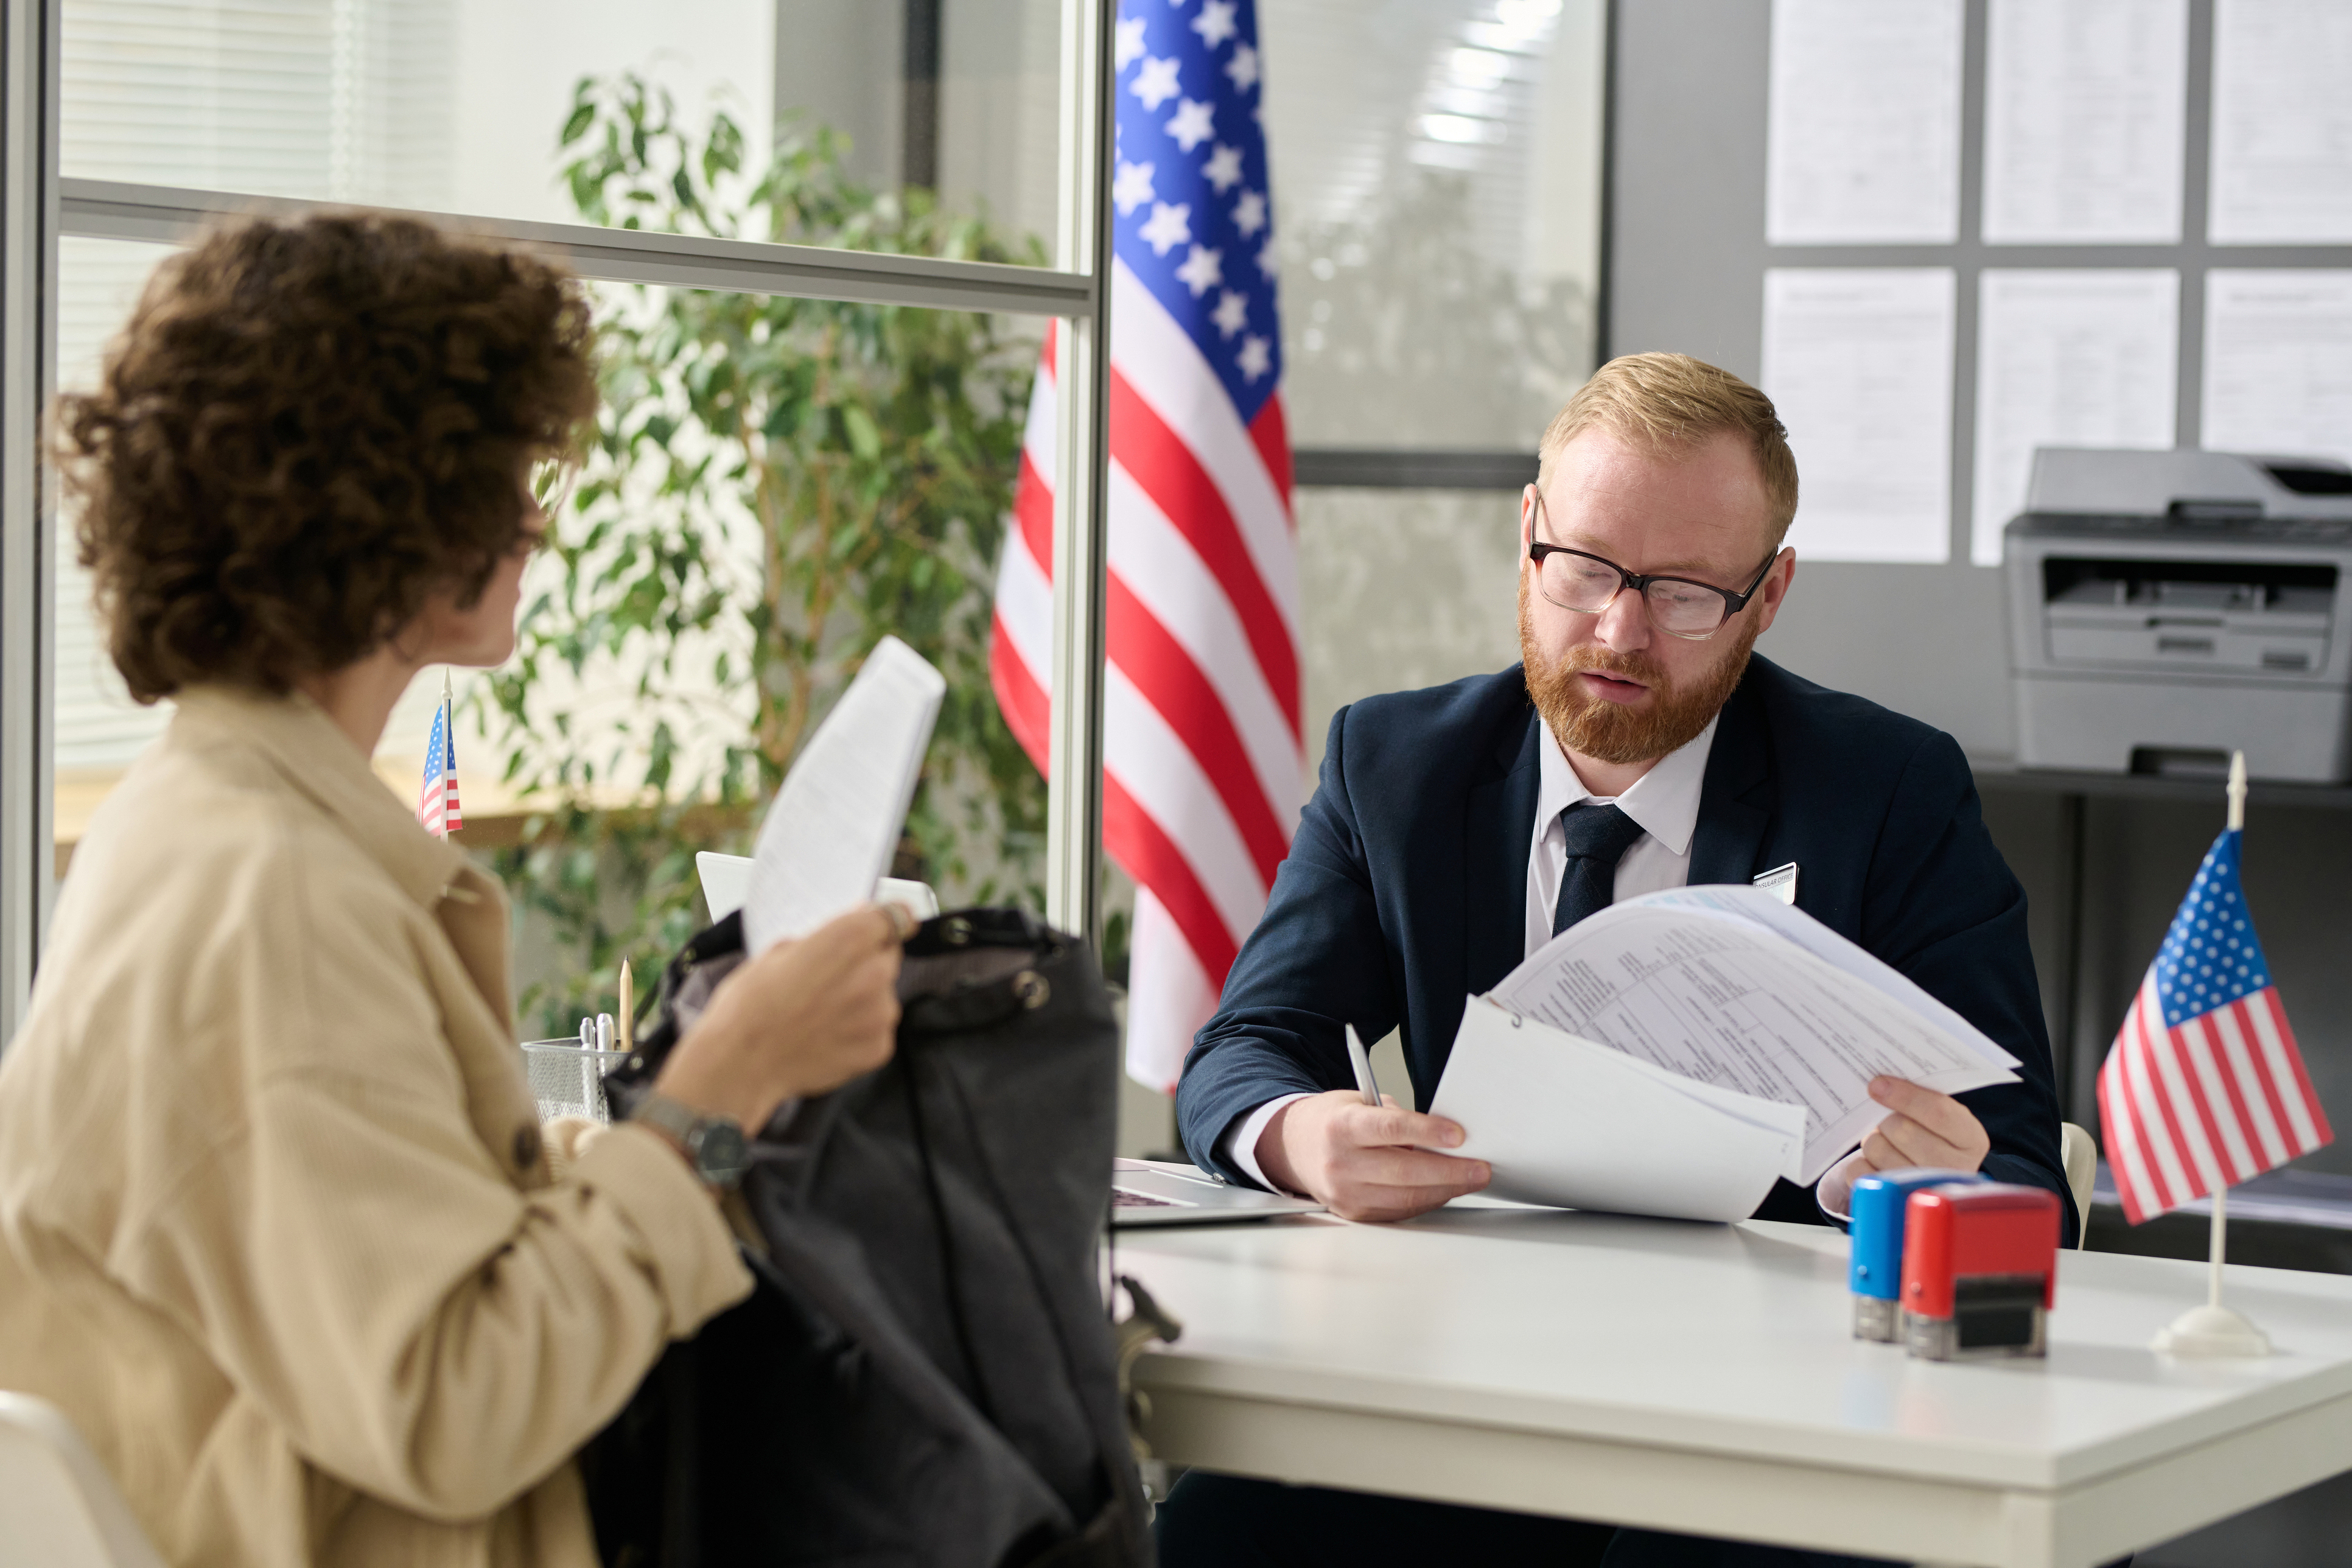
(2167, 607)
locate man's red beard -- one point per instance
(1617, 731)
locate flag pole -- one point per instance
(2214, 1330)
(448, 738)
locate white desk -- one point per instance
(1701, 1378)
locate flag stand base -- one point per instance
(2211, 1332)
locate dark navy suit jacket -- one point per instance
(1405, 892)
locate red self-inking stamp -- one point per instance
(1979, 1270)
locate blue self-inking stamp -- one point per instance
(1875, 1273)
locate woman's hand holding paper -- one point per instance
(800, 1018)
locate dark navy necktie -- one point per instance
(1598, 837)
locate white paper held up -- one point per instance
(1564, 1121)
(830, 831)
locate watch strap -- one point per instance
(714, 1144)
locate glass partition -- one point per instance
(468, 108)
(775, 483)
(1437, 190)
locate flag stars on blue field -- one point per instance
(1131, 188)
(1169, 226)
(2210, 957)
(1193, 123)
(1215, 22)
(1155, 84)
(1189, 186)
(1202, 270)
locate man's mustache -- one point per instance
(1591, 658)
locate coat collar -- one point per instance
(1736, 801)
(1499, 837)
(294, 736)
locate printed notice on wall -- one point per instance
(1863, 146)
(2282, 164)
(1859, 361)
(2071, 358)
(2278, 362)
(2084, 104)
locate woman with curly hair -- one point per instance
(278, 1226)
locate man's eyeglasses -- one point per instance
(1678, 606)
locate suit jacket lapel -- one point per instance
(1736, 800)
(1501, 826)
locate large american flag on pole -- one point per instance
(1201, 746)
(2204, 1087)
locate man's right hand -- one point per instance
(1364, 1162)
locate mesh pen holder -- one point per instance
(567, 1077)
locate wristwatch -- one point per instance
(715, 1145)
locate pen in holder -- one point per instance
(567, 1076)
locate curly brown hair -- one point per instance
(306, 431)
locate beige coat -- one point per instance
(280, 1232)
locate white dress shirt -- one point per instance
(1664, 801)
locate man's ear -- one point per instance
(1775, 589)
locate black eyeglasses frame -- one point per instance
(1640, 582)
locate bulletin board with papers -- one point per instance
(1993, 225)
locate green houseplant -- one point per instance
(773, 484)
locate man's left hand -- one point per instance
(1924, 1128)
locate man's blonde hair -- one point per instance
(1671, 404)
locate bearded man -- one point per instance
(1638, 746)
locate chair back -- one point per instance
(2078, 1153)
(58, 1506)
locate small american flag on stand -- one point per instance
(436, 807)
(2204, 1087)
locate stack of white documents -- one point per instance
(1674, 1053)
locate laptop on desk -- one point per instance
(727, 882)
(1150, 1193)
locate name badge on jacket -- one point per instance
(1781, 880)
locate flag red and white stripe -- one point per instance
(1202, 753)
(437, 803)
(1201, 745)
(2204, 1087)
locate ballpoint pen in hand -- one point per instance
(1362, 1063)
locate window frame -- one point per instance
(37, 207)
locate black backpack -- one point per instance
(924, 1373)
